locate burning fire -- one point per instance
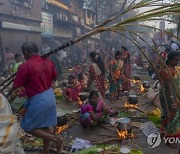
(79, 101)
(124, 134)
(131, 106)
(142, 89)
(135, 81)
(61, 129)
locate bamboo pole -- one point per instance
(164, 64)
(150, 62)
(92, 32)
(163, 92)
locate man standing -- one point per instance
(36, 76)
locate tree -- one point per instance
(104, 8)
(176, 19)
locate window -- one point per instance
(82, 21)
(75, 18)
(26, 3)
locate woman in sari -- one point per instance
(115, 75)
(94, 111)
(9, 140)
(171, 111)
(96, 74)
(73, 89)
(127, 68)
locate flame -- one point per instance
(135, 81)
(79, 101)
(61, 129)
(142, 89)
(131, 106)
(124, 134)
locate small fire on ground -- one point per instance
(135, 81)
(131, 106)
(79, 101)
(61, 129)
(124, 134)
(142, 89)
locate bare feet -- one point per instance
(59, 143)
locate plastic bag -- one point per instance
(148, 128)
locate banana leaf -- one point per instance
(155, 119)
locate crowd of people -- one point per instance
(35, 77)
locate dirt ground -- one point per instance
(94, 134)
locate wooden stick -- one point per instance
(105, 141)
(64, 152)
(106, 127)
(61, 148)
(107, 135)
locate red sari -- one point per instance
(98, 82)
(73, 91)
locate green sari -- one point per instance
(171, 127)
(117, 66)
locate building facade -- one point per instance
(19, 22)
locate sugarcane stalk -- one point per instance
(164, 64)
(5, 86)
(151, 63)
(78, 39)
(10, 77)
(163, 92)
(96, 29)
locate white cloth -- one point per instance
(153, 94)
(9, 128)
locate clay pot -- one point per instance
(146, 84)
(83, 96)
(132, 99)
(61, 119)
(137, 77)
(124, 124)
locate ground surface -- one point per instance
(94, 134)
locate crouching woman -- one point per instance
(93, 111)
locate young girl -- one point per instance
(94, 110)
(73, 89)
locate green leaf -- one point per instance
(133, 151)
(91, 150)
